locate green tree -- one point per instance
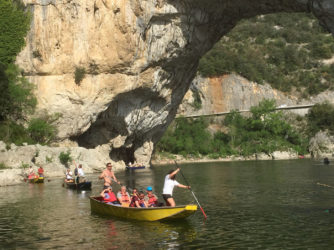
(14, 24)
(17, 100)
(186, 136)
(321, 117)
(41, 131)
(15, 92)
(20, 99)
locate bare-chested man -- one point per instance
(108, 176)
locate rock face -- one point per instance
(229, 92)
(322, 144)
(233, 92)
(139, 57)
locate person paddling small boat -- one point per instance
(169, 185)
(108, 176)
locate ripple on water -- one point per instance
(249, 205)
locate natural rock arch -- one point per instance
(140, 58)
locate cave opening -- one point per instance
(123, 154)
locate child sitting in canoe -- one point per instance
(138, 200)
(109, 196)
(151, 199)
(123, 197)
(69, 176)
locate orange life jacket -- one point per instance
(109, 197)
(152, 199)
(125, 198)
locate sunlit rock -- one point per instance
(139, 57)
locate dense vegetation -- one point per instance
(284, 50)
(264, 131)
(321, 117)
(17, 100)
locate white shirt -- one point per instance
(69, 175)
(81, 172)
(169, 185)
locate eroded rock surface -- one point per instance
(139, 57)
(233, 92)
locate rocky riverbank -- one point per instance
(16, 159)
(278, 155)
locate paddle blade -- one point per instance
(203, 212)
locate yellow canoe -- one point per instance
(37, 180)
(144, 214)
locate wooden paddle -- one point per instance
(191, 190)
(120, 184)
(325, 185)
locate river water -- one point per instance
(255, 205)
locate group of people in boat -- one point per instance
(135, 164)
(32, 175)
(138, 199)
(79, 174)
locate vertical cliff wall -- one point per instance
(139, 57)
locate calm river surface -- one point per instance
(256, 205)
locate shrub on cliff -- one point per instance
(79, 75)
(65, 158)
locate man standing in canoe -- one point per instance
(108, 176)
(170, 182)
(40, 171)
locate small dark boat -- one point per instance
(79, 186)
(134, 167)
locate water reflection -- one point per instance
(124, 234)
(249, 205)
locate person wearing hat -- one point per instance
(150, 198)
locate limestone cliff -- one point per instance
(233, 92)
(140, 57)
